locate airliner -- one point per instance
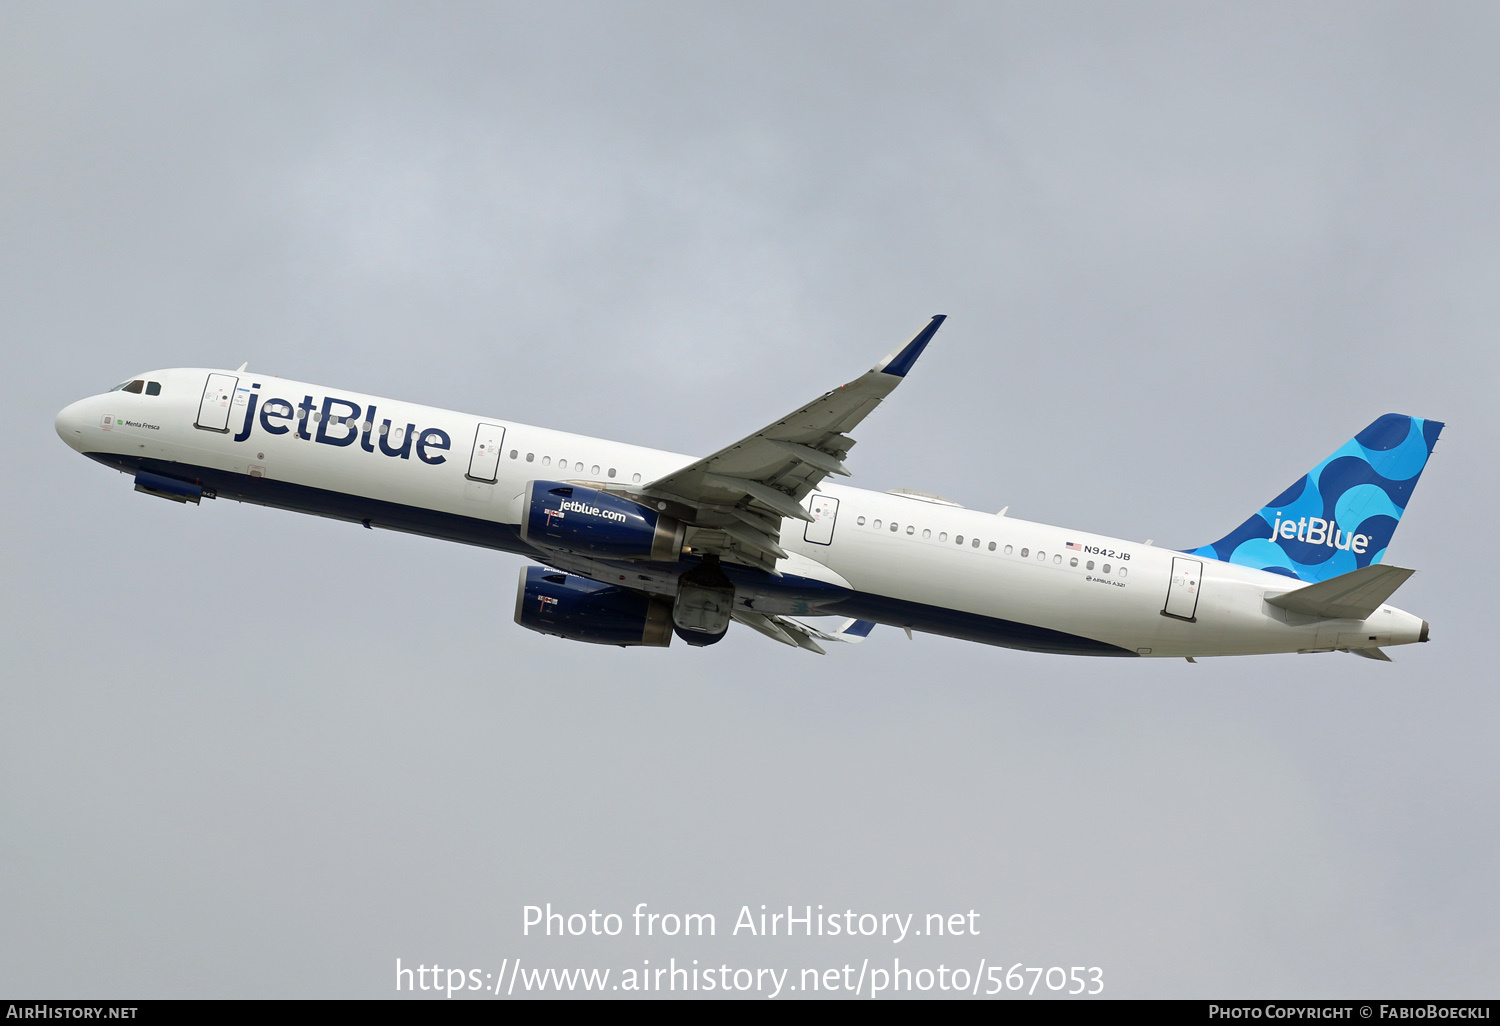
(636, 546)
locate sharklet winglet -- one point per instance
(901, 361)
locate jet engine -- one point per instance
(576, 608)
(597, 523)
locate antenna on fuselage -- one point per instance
(241, 368)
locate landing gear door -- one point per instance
(213, 411)
(1183, 591)
(825, 511)
(484, 461)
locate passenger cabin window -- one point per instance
(860, 521)
(1073, 561)
(926, 533)
(1009, 549)
(958, 539)
(975, 543)
(635, 478)
(1025, 553)
(992, 546)
(153, 388)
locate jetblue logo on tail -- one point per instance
(1340, 515)
(1317, 531)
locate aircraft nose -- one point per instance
(70, 424)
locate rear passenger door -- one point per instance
(1182, 592)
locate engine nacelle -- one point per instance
(168, 487)
(597, 523)
(576, 608)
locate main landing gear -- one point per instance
(705, 598)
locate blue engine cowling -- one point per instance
(576, 608)
(585, 520)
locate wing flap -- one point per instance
(800, 635)
(764, 494)
(779, 628)
(824, 461)
(754, 539)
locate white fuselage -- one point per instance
(892, 558)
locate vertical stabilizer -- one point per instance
(1340, 515)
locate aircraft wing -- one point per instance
(801, 635)
(734, 500)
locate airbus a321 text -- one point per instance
(639, 545)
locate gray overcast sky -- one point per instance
(1186, 250)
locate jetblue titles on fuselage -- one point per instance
(339, 423)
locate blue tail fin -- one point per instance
(1340, 515)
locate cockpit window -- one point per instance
(153, 388)
(134, 386)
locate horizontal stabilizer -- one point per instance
(1352, 596)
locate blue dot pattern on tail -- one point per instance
(1340, 515)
